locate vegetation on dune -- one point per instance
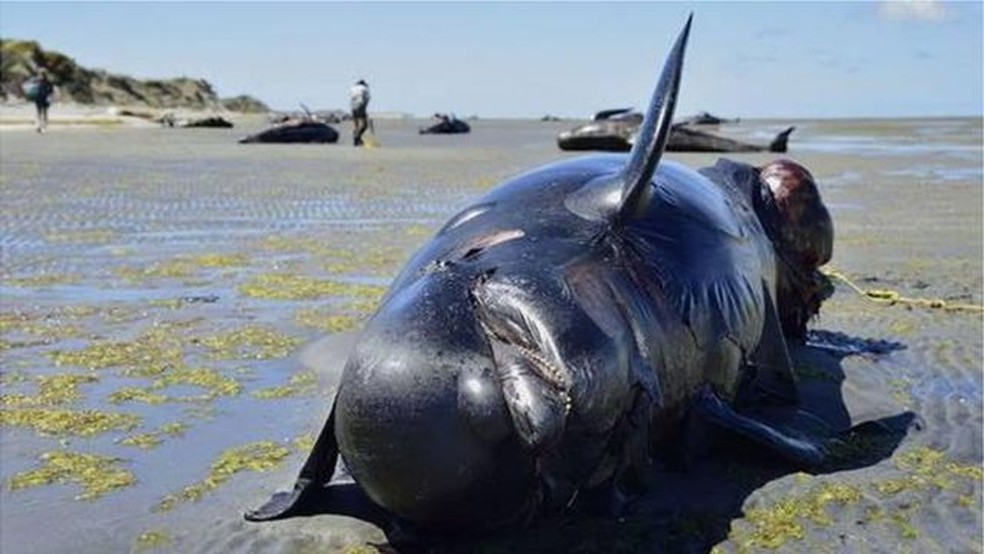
(244, 104)
(20, 60)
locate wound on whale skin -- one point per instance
(804, 240)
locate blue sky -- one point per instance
(498, 59)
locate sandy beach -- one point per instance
(21, 116)
(158, 284)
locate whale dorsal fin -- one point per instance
(653, 134)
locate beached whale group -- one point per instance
(611, 130)
(562, 329)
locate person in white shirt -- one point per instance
(359, 100)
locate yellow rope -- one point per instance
(886, 296)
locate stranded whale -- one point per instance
(615, 131)
(294, 131)
(551, 336)
(447, 124)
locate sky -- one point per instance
(525, 59)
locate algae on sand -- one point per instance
(255, 456)
(97, 475)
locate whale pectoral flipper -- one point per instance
(800, 449)
(774, 378)
(312, 480)
(538, 410)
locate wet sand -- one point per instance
(157, 285)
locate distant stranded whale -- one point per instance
(298, 131)
(559, 330)
(706, 118)
(615, 130)
(446, 125)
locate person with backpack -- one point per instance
(42, 91)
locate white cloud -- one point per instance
(920, 10)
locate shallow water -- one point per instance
(150, 249)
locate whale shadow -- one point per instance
(690, 509)
(686, 508)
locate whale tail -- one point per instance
(778, 144)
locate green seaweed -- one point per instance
(280, 286)
(150, 354)
(208, 379)
(221, 260)
(144, 441)
(174, 429)
(48, 327)
(362, 306)
(53, 390)
(299, 384)
(326, 321)
(182, 267)
(154, 438)
(775, 525)
(904, 526)
(12, 320)
(41, 280)
(136, 394)
(377, 260)
(255, 456)
(925, 468)
(304, 443)
(250, 342)
(149, 540)
(95, 474)
(84, 423)
(278, 243)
